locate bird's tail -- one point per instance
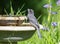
(38, 32)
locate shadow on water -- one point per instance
(14, 36)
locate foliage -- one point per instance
(18, 13)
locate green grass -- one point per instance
(18, 13)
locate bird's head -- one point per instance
(30, 11)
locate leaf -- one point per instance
(20, 9)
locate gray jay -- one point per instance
(32, 19)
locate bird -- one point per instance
(32, 19)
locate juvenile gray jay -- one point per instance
(32, 19)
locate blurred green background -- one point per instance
(51, 37)
(36, 5)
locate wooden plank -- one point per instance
(16, 28)
(13, 18)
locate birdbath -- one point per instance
(15, 28)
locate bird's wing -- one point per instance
(33, 20)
